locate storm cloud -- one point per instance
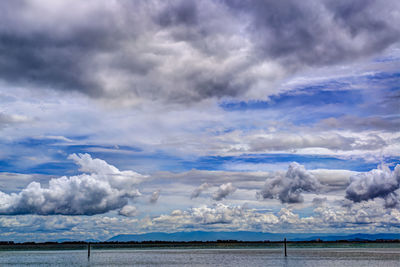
(288, 188)
(183, 51)
(101, 188)
(318, 32)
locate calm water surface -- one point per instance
(206, 257)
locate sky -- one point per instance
(129, 117)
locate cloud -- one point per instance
(287, 141)
(128, 211)
(377, 183)
(100, 189)
(363, 216)
(362, 124)
(154, 196)
(213, 215)
(12, 182)
(7, 119)
(367, 215)
(333, 179)
(218, 214)
(318, 32)
(319, 201)
(123, 57)
(183, 51)
(288, 187)
(223, 191)
(196, 193)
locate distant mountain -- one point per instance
(246, 236)
(61, 240)
(352, 237)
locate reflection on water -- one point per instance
(206, 257)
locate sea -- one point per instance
(316, 257)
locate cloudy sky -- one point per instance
(121, 116)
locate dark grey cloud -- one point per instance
(319, 32)
(44, 62)
(377, 183)
(288, 187)
(37, 49)
(179, 13)
(182, 51)
(223, 191)
(100, 189)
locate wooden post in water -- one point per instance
(88, 251)
(284, 242)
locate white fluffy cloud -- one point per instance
(367, 215)
(128, 211)
(100, 189)
(288, 188)
(217, 214)
(223, 191)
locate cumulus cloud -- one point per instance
(223, 191)
(183, 51)
(366, 215)
(196, 193)
(154, 196)
(209, 216)
(218, 214)
(100, 189)
(128, 211)
(377, 183)
(369, 214)
(288, 187)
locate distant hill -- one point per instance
(353, 237)
(61, 240)
(246, 236)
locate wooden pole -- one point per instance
(284, 241)
(88, 250)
